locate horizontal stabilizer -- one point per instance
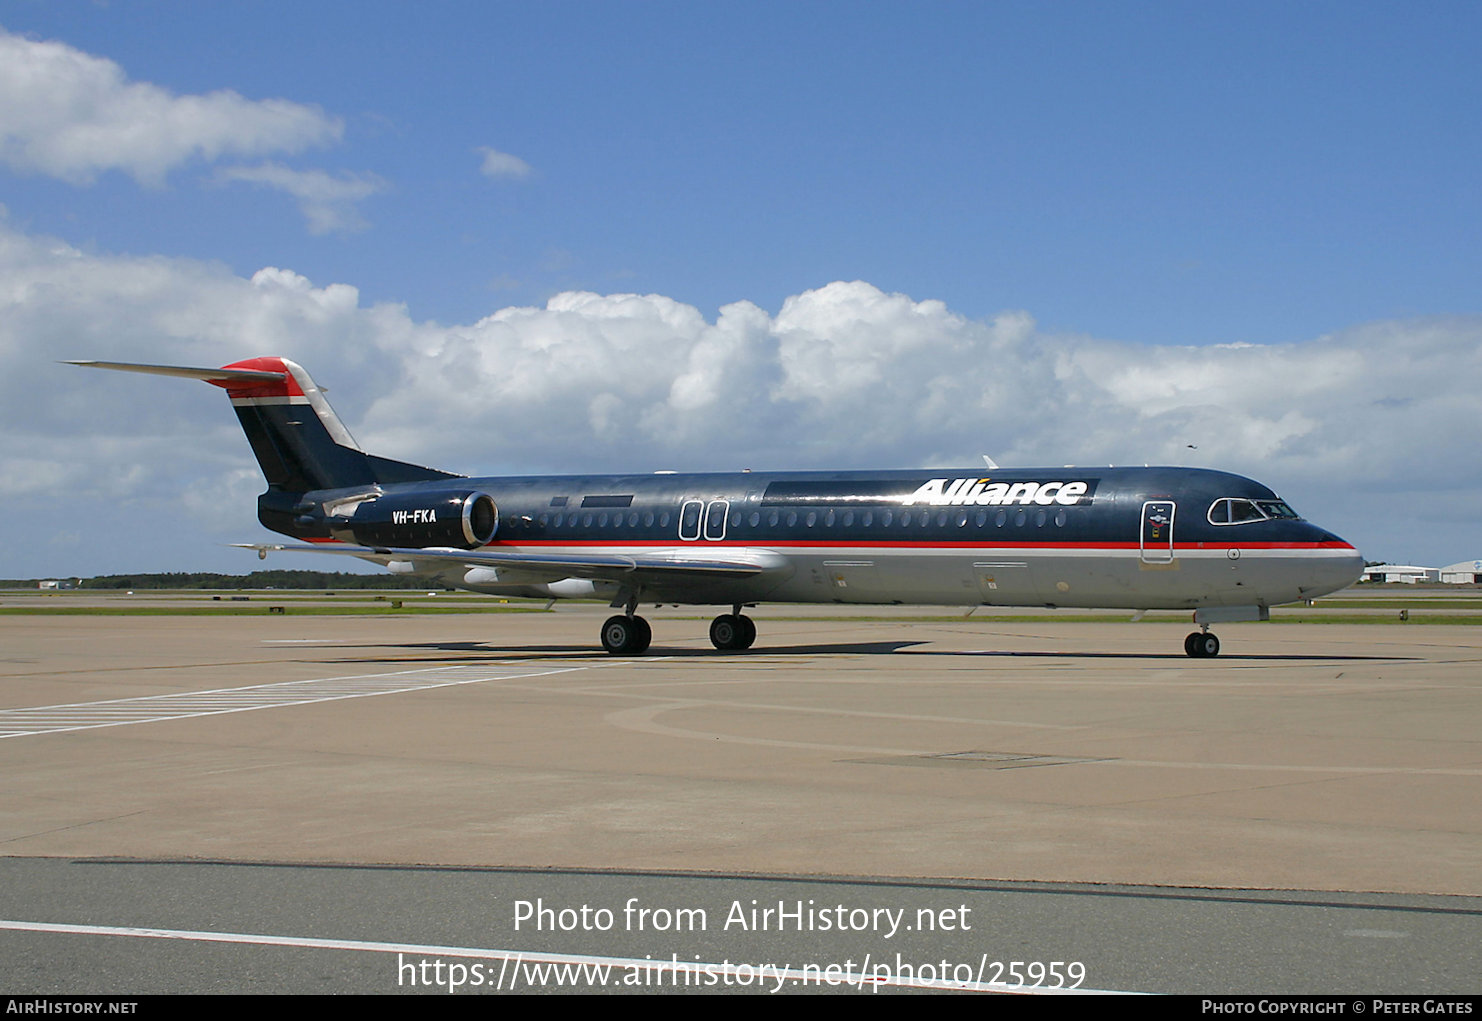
(186, 372)
(298, 452)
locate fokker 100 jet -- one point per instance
(1223, 546)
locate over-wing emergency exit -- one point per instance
(1221, 545)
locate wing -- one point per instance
(659, 570)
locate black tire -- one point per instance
(1202, 645)
(748, 631)
(726, 632)
(625, 636)
(643, 638)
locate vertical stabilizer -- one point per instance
(300, 443)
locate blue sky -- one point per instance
(1148, 183)
(1179, 173)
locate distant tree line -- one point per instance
(255, 580)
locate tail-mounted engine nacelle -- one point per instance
(464, 519)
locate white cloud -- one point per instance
(72, 115)
(327, 202)
(501, 164)
(1370, 430)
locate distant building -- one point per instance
(64, 583)
(1405, 574)
(1468, 572)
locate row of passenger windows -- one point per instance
(1019, 517)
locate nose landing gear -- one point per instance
(1201, 644)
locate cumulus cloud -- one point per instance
(327, 202)
(1369, 429)
(501, 164)
(72, 115)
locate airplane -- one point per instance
(1221, 545)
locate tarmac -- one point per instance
(1334, 763)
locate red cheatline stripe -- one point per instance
(924, 544)
(1087, 545)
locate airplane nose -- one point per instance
(1338, 569)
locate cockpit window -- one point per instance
(1278, 509)
(1236, 511)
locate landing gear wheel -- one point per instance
(726, 632)
(748, 631)
(1202, 644)
(644, 638)
(732, 632)
(626, 636)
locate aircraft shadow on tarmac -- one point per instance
(481, 651)
(474, 652)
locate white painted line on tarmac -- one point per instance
(119, 712)
(532, 972)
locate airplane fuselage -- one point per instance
(1140, 538)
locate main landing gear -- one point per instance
(732, 632)
(626, 635)
(1200, 644)
(629, 635)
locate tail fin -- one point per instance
(300, 443)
